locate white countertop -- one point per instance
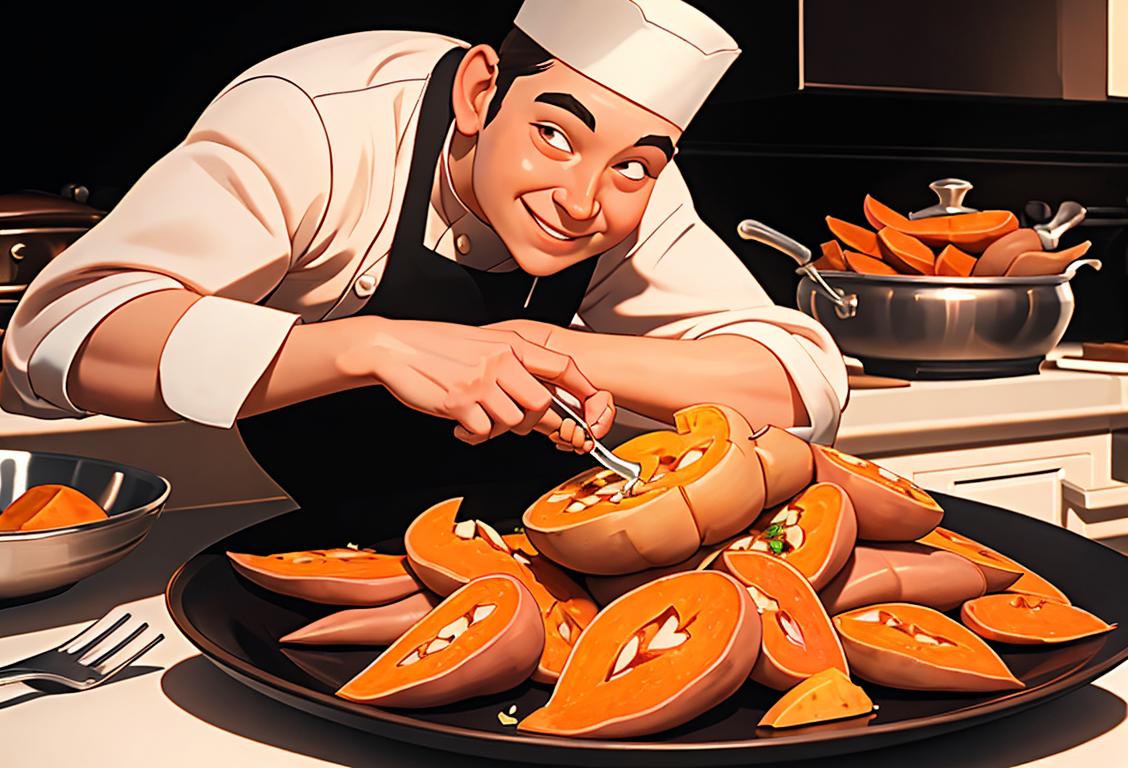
(176, 709)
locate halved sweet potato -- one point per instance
(814, 532)
(952, 262)
(972, 232)
(447, 554)
(381, 625)
(903, 572)
(905, 253)
(485, 638)
(49, 506)
(655, 658)
(700, 485)
(787, 463)
(797, 637)
(854, 237)
(1029, 620)
(1001, 572)
(831, 258)
(825, 695)
(331, 576)
(867, 265)
(917, 648)
(888, 507)
(605, 589)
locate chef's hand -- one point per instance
(489, 380)
(565, 433)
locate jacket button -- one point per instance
(365, 285)
(463, 244)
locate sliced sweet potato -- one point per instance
(786, 461)
(331, 576)
(952, 262)
(903, 572)
(832, 258)
(855, 238)
(867, 265)
(1032, 263)
(700, 485)
(905, 253)
(1029, 620)
(43, 507)
(1002, 572)
(826, 695)
(888, 507)
(797, 638)
(447, 554)
(655, 658)
(605, 589)
(971, 232)
(381, 625)
(484, 638)
(814, 532)
(916, 648)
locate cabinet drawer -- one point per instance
(1037, 494)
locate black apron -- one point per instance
(362, 451)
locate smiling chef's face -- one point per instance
(565, 168)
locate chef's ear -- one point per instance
(475, 84)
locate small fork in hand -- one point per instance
(83, 661)
(601, 453)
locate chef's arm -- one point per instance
(656, 377)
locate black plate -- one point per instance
(236, 625)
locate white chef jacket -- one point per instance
(280, 205)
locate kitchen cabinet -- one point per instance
(1053, 446)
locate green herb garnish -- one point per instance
(775, 530)
(777, 547)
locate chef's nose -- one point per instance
(578, 198)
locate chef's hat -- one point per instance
(664, 55)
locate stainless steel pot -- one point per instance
(923, 327)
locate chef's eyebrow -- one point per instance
(571, 103)
(661, 142)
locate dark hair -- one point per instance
(518, 56)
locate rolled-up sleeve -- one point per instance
(680, 281)
(224, 214)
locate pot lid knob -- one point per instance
(951, 193)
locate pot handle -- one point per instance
(1071, 268)
(845, 304)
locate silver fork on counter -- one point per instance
(83, 662)
(601, 453)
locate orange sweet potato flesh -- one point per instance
(700, 485)
(824, 696)
(485, 638)
(444, 560)
(867, 265)
(971, 232)
(905, 253)
(798, 639)
(997, 567)
(856, 238)
(916, 648)
(952, 262)
(827, 525)
(655, 658)
(49, 506)
(1029, 620)
(832, 258)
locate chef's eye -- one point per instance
(633, 170)
(554, 137)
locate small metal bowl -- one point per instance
(34, 562)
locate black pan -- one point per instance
(236, 625)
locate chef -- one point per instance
(369, 242)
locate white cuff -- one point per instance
(49, 365)
(216, 353)
(824, 408)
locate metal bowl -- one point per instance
(34, 562)
(944, 327)
(931, 327)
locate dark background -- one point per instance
(95, 95)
